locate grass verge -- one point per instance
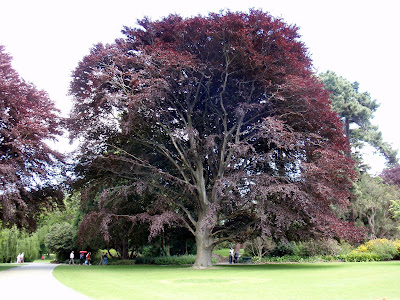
(378, 280)
(4, 267)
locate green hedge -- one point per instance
(361, 257)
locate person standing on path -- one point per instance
(236, 257)
(230, 256)
(71, 258)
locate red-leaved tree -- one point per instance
(392, 175)
(28, 118)
(222, 119)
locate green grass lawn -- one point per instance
(225, 252)
(4, 267)
(47, 259)
(379, 280)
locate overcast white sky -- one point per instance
(358, 40)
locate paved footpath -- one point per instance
(35, 281)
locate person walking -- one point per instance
(71, 258)
(81, 258)
(88, 258)
(236, 257)
(230, 256)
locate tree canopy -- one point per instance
(356, 110)
(222, 121)
(28, 118)
(372, 206)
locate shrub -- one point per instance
(329, 258)
(168, 260)
(361, 257)
(383, 247)
(285, 258)
(317, 247)
(150, 251)
(387, 251)
(283, 249)
(345, 248)
(397, 245)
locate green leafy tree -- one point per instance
(14, 241)
(356, 111)
(392, 176)
(60, 240)
(372, 206)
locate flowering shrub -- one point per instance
(385, 248)
(361, 249)
(397, 245)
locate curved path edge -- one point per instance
(35, 281)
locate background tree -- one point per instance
(28, 118)
(60, 240)
(392, 176)
(356, 110)
(259, 247)
(222, 120)
(372, 206)
(14, 241)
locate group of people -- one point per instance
(233, 257)
(86, 258)
(20, 258)
(83, 259)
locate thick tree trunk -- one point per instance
(124, 249)
(371, 223)
(204, 244)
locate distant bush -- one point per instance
(285, 258)
(360, 257)
(297, 258)
(283, 249)
(397, 245)
(168, 260)
(317, 247)
(150, 251)
(345, 248)
(385, 248)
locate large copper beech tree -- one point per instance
(222, 119)
(28, 118)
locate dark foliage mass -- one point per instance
(392, 175)
(27, 119)
(222, 121)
